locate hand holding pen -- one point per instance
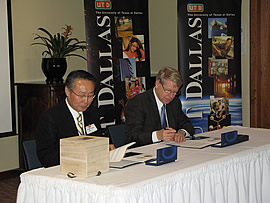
(166, 134)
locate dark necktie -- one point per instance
(163, 117)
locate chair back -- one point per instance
(30, 154)
(117, 134)
(198, 129)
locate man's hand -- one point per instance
(180, 136)
(111, 147)
(166, 134)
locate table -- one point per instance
(237, 173)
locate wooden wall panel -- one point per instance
(260, 63)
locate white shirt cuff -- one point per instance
(154, 137)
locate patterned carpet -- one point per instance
(9, 182)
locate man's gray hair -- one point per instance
(168, 73)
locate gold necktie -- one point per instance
(80, 125)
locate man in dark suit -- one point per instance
(61, 121)
(144, 117)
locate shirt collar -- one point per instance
(159, 103)
(72, 111)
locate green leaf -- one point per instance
(57, 46)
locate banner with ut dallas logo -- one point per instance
(210, 62)
(117, 52)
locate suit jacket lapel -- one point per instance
(154, 109)
(170, 114)
(68, 119)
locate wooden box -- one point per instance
(84, 156)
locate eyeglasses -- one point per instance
(169, 91)
(90, 96)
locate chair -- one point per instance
(198, 129)
(117, 134)
(30, 154)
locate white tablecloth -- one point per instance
(238, 173)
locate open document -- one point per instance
(197, 143)
(118, 154)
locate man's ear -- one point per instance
(67, 91)
(157, 83)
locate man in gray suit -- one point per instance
(147, 123)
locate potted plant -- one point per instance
(58, 47)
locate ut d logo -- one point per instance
(103, 4)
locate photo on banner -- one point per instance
(133, 47)
(217, 67)
(117, 48)
(134, 86)
(209, 56)
(127, 68)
